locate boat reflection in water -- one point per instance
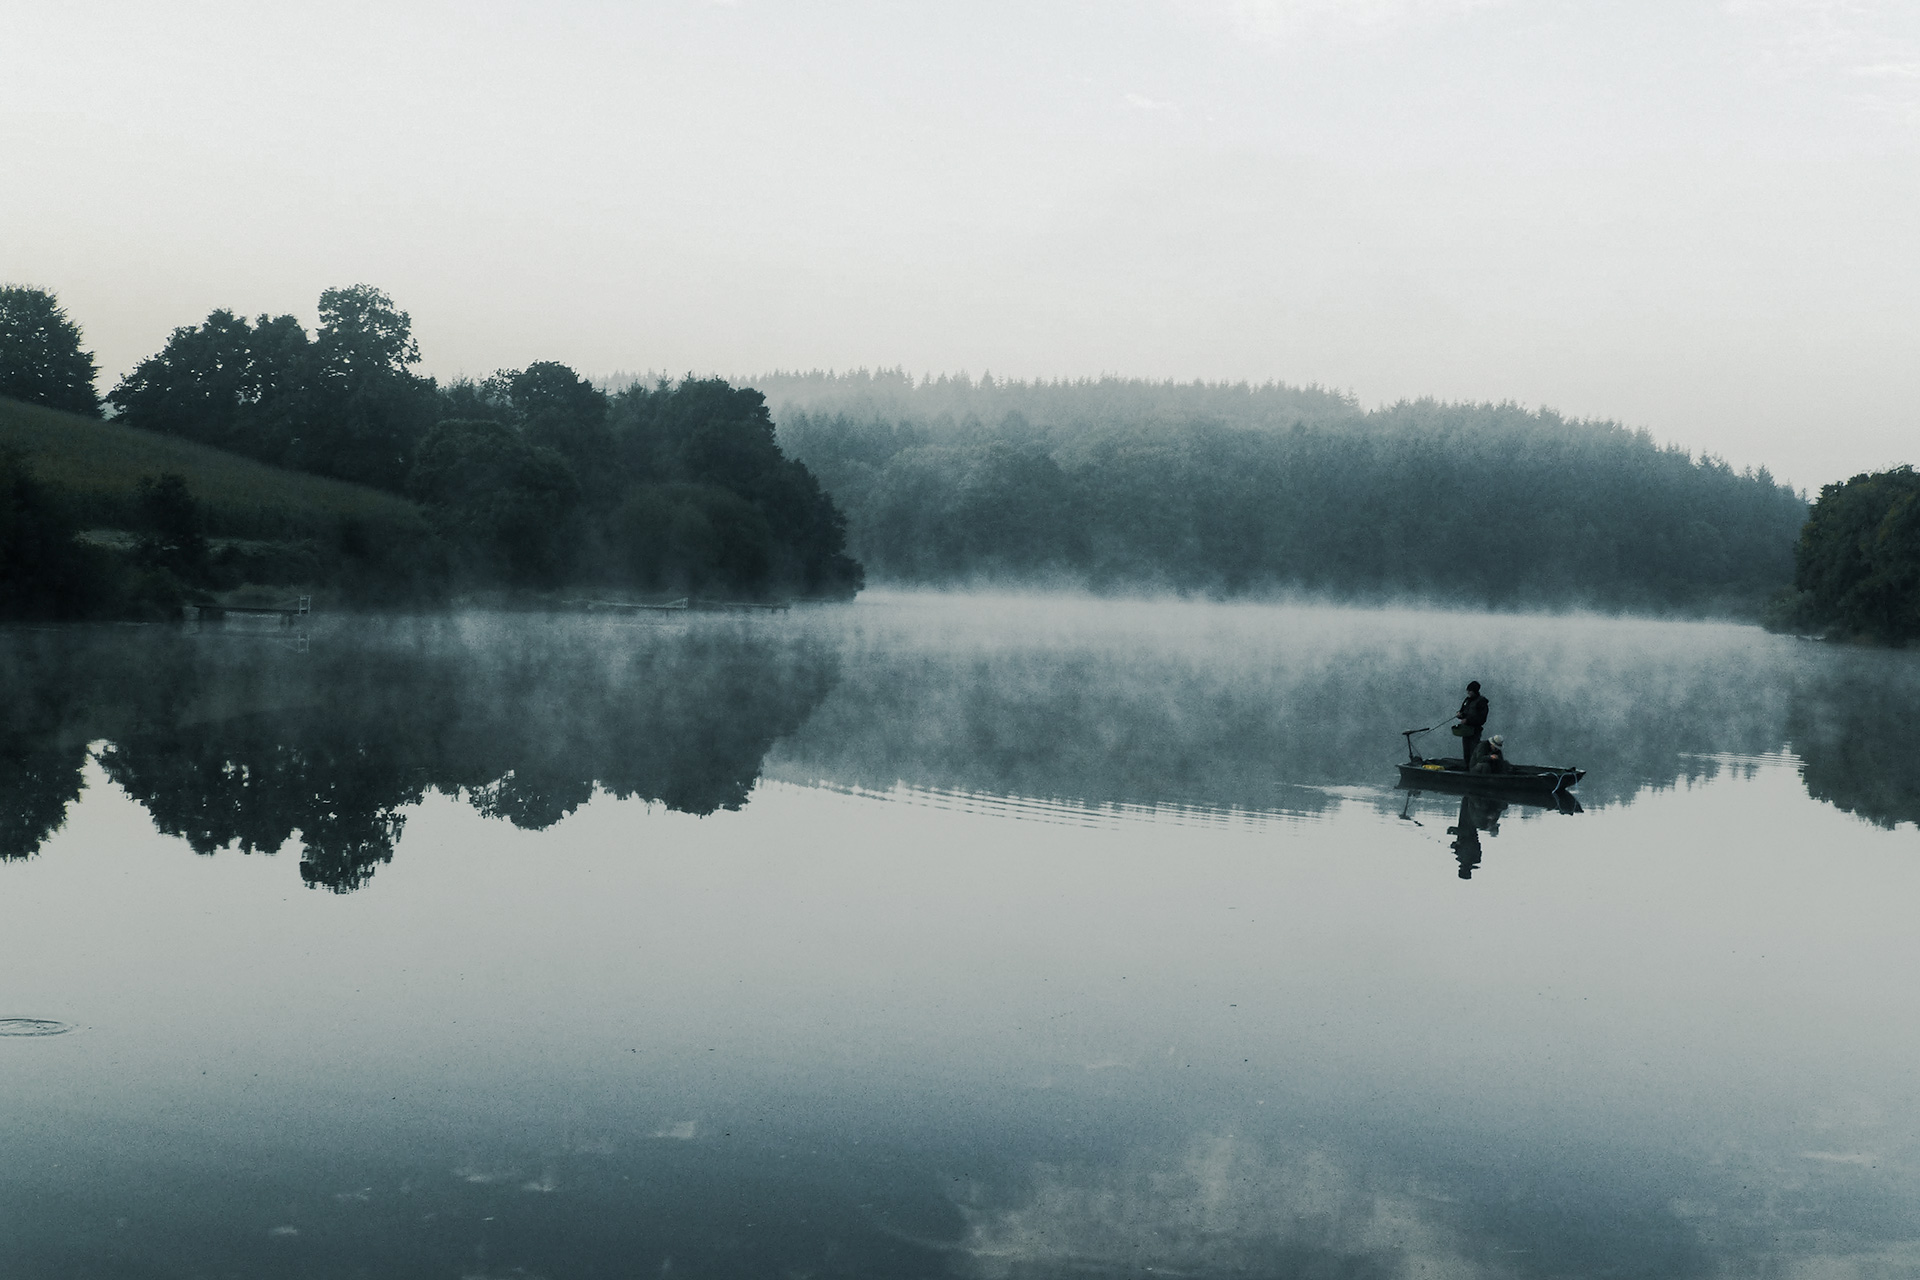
(1480, 813)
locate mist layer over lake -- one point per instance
(954, 936)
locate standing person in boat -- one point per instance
(1472, 717)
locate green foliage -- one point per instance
(227, 383)
(343, 404)
(370, 411)
(692, 539)
(504, 504)
(172, 532)
(40, 357)
(364, 545)
(710, 435)
(1858, 559)
(564, 412)
(676, 488)
(532, 477)
(45, 572)
(1233, 490)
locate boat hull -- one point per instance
(1520, 779)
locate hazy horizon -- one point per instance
(1693, 218)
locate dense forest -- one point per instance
(1857, 564)
(1234, 489)
(536, 479)
(531, 479)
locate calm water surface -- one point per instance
(954, 937)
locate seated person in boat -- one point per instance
(1491, 756)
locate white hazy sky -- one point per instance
(1697, 216)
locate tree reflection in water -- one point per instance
(37, 783)
(1854, 731)
(243, 746)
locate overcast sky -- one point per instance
(1697, 216)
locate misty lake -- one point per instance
(954, 936)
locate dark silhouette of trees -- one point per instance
(226, 383)
(712, 491)
(674, 488)
(344, 403)
(40, 357)
(504, 504)
(1857, 564)
(45, 572)
(172, 531)
(369, 408)
(532, 477)
(37, 783)
(566, 413)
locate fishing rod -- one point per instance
(1408, 734)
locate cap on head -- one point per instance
(1473, 686)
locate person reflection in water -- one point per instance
(1472, 717)
(1477, 814)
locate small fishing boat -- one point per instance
(1450, 774)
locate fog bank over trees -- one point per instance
(1235, 489)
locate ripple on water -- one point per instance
(33, 1027)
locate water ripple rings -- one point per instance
(32, 1027)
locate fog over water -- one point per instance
(950, 935)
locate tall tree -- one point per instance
(370, 409)
(40, 357)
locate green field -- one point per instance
(98, 465)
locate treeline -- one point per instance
(531, 478)
(1235, 489)
(1857, 564)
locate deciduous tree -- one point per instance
(40, 357)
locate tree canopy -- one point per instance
(1231, 490)
(40, 357)
(532, 477)
(1857, 563)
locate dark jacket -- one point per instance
(1473, 712)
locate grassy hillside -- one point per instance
(98, 464)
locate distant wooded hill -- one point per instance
(1238, 489)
